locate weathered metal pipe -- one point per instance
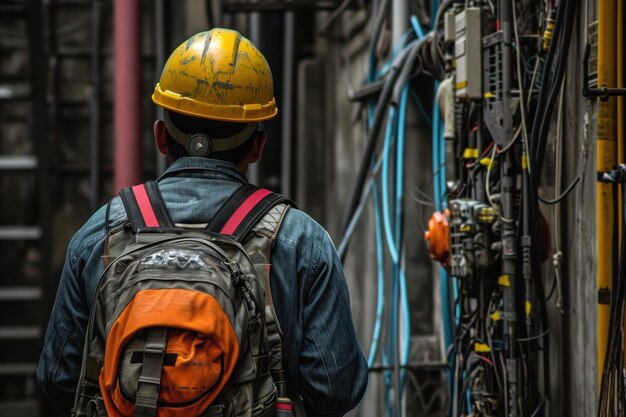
(127, 104)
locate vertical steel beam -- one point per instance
(41, 144)
(127, 103)
(288, 102)
(161, 33)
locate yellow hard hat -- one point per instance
(217, 75)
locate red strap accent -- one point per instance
(240, 214)
(147, 212)
(284, 406)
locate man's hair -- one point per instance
(213, 129)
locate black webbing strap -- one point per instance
(158, 204)
(132, 209)
(144, 205)
(254, 211)
(231, 204)
(260, 210)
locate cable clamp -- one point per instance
(481, 348)
(470, 153)
(617, 175)
(604, 296)
(504, 281)
(604, 92)
(495, 316)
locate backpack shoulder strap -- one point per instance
(253, 208)
(244, 209)
(145, 207)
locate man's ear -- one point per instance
(258, 144)
(160, 137)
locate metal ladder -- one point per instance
(22, 310)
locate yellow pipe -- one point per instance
(606, 159)
(620, 83)
(621, 137)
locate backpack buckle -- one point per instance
(149, 384)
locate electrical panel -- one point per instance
(470, 236)
(467, 53)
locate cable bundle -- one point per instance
(612, 401)
(500, 323)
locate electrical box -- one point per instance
(448, 26)
(467, 54)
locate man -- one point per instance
(215, 89)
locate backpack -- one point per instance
(182, 322)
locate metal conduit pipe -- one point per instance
(127, 104)
(96, 101)
(255, 37)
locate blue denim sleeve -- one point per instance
(332, 356)
(60, 361)
(324, 357)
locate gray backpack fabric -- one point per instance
(182, 323)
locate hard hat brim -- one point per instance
(246, 113)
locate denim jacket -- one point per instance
(324, 360)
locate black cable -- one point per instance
(554, 78)
(334, 15)
(555, 86)
(405, 73)
(562, 36)
(611, 401)
(533, 338)
(373, 88)
(545, 79)
(373, 133)
(552, 289)
(367, 90)
(563, 194)
(434, 46)
(383, 10)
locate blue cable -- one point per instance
(433, 11)
(387, 380)
(399, 208)
(392, 234)
(435, 145)
(407, 325)
(393, 318)
(380, 303)
(389, 134)
(417, 27)
(439, 187)
(442, 164)
(389, 228)
(394, 52)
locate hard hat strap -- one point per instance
(200, 144)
